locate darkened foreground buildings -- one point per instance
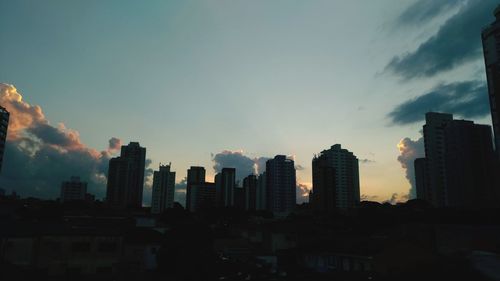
(335, 180)
(459, 165)
(45, 240)
(4, 124)
(126, 177)
(491, 48)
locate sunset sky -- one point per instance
(199, 82)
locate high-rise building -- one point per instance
(322, 197)
(239, 198)
(491, 48)
(260, 196)
(201, 195)
(250, 187)
(4, 124)
(421, 179)
(458, 168)
(280, 185)
(163, 189)
(195, 175)
(434, 155)
(73, 190)
(335, 179)
(225, 183)
(469, 162)
(126, 177)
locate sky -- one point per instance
(214, 83)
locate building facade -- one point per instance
(195, 175)
(469, 165)
(126, 177)
(225, 184)
(434, 157)
(201, 196)
(280, 185)
(4, 124)
(250, 187)
(491, 49)
(459, 165)
(163, 189)
(73, 190)
(260, 196)
(421, 179)
(335, 179)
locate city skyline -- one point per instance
(228, 111)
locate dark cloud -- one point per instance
(457, 41)
(366, 161)
(409, 150)
(243, 164)
(114, 145)
(302, 193)
(396, 198)
(39, 156)
(468, 99)
(424, 10)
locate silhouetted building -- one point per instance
(458, 169)
(201, 195)
(421, 179)
(126, 176)
(491, 48)
(195, 175)
(4, 124)
(225, 183)
(250, 186)
(335, 179)
(260, 199)
(163, 189)
(434, 154)
(469, 162)
(73, 190)
(239, 197)
(280, 185)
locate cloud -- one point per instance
(366, 161)
(396, 198)
(115, 145)
(299, 167)
(366, 197)
(39, 156)
(410, 150)
(457, 41)
(148, 183)
(424, 10)
(180, 192)
(468, 99)
(302, 193)
(23, 115)
(243, 164)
